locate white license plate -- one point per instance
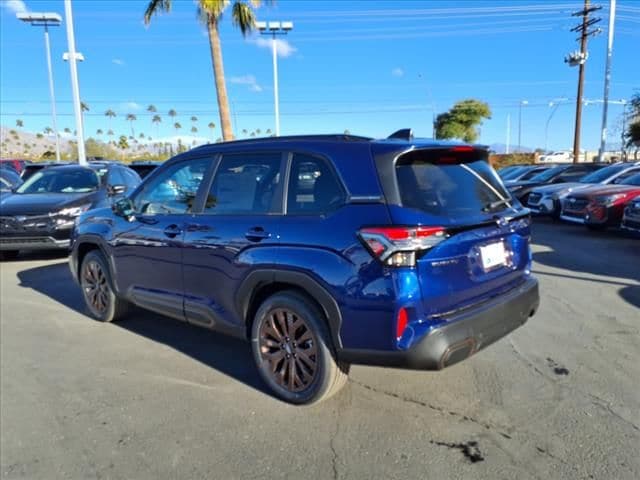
(493, 255)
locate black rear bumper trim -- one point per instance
(464, 334)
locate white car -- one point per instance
(557, 157)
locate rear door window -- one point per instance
(313, 187)
(246, 183)
(450, 190)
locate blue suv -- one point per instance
(322, 250)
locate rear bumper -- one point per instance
(463, 335)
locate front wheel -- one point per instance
(293, 350)
(97, 289)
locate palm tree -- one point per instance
(211, 127)
(141, 135)
(194, 129)
(110, 133)
(210, 13)
(48, 130)
(194, 119)
(110, 114)
(244, 132)
(258, 131)
(177, 126)
(156, 119)
(152, 109)
(99, 132)
(268, 132)
(172, 113)
(67, 130)
(131, 118)
(19, 123)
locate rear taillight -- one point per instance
(401, 322)
(397, 246)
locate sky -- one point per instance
(367, 67)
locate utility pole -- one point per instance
(522, 102)
(75, 89)
(607, 78)
(579, 58)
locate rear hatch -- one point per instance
(485, 250)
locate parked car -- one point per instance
(553, 175)
(9, 180)
(631, 216)
(525, 173)
(32, 168)
(600, 206)
(502, 172)
(42, 211)
(405, 253)
(546, 200)
(557, 157)
(144, 167)
(17, 165)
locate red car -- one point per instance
(601, 206)
(17, 165)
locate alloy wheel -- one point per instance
(289, 349)
(95, 287)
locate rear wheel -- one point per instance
(293, 350)
(97, 289)
(8, 255)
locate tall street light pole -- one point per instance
(272, 29)
(47, 20)
(607, 78)
(75, 89)
(522, 102)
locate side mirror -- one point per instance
(114, 190)
(124, 208)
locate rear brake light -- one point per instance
(462, 148)
(397, 246)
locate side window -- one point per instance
(313, 187)
(115, 176)
(131, 178)
(245, 184)
(574, 174)
(174, 190)
(625, 175)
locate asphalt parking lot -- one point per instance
(154, 398)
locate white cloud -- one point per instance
(248, 80)
(284, 48)
(118, 61)
(16, 6)
(397, 72)
(128, 106)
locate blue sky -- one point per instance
(369, 67)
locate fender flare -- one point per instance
(264, 277)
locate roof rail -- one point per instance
(317, 137)
(402, 134)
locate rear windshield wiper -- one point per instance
(491, 205)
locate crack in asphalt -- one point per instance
(430, 406)
(334, 452)
(602, 403)
(527, 362)
(470, 449)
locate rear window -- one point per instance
(604, 173)
(451, 190)
(548, 174)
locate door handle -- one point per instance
(172, 231)
(257, 234)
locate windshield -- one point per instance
(548, 174)
(602, 174)
(8, 180)
(450, 190)
(80, 180)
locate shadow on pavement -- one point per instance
(33, 255)
(228, 355)
(631, 294)
(575, 248)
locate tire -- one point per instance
(8, 255)
(97, 289)
(288, 329)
